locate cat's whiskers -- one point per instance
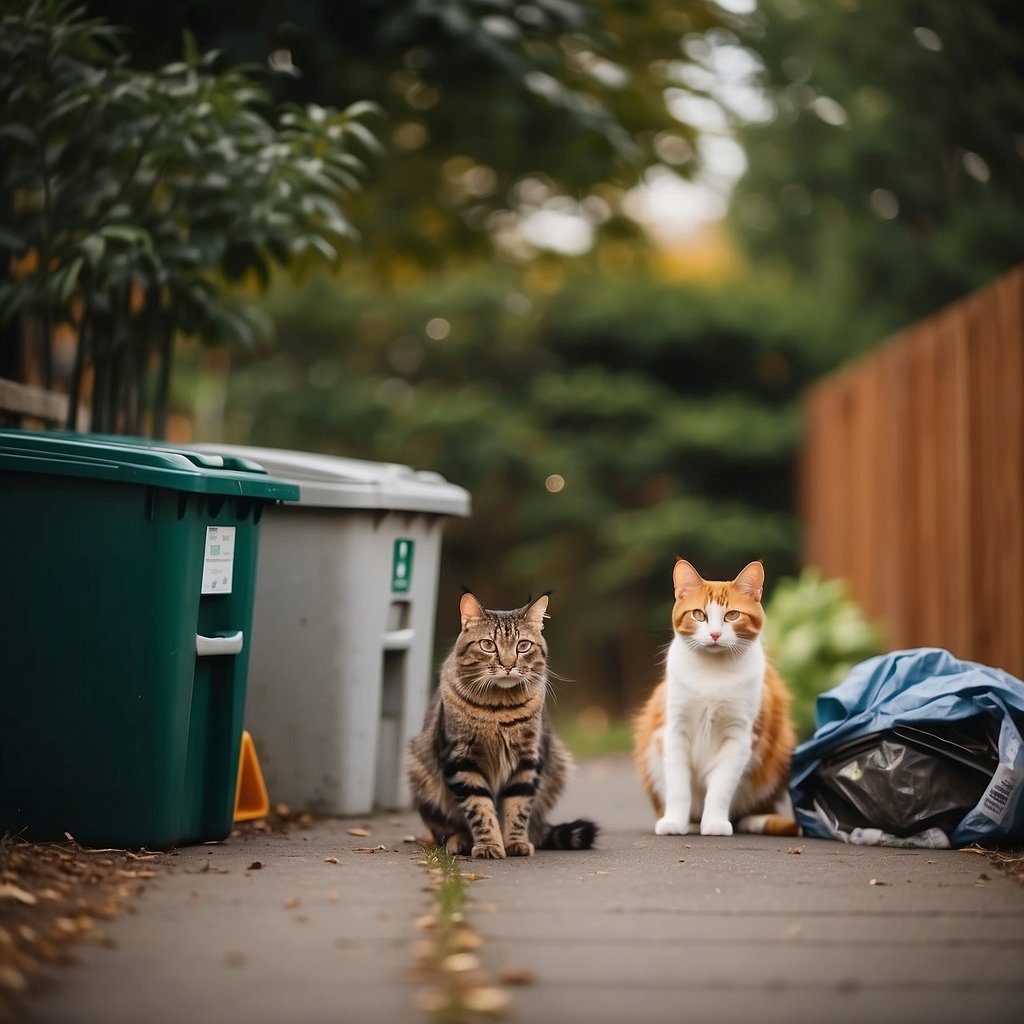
(693, 643)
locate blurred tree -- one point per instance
(490, 105)
(891, 175)
(131, 198)
(602, 430)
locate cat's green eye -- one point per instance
(488, 645)
(699, 615)
(523, 646)
(731, 616)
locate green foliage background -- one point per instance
(606, 415)
(663, 408)
(891, 176)
(815, 635)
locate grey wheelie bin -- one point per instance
(343, 635)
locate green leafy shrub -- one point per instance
(815, 634)
(137, 206)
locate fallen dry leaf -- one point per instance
(92, 849)
(256, 865)
(12, 979)
(485, 999)
(875, 881)
(796, 849)
(291, 904)
(682, 860)
(473, 876)
(424, 950)
(432, 1000)
(330, 860)
(358, 831)
(601, 872)
(465, 940)
(368, 849)
(460, 963)
(12, 892)
(517, 976)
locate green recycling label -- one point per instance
(401, 566)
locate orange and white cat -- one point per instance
(713, 742)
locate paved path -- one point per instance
(643, 930)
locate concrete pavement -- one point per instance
(643, 929)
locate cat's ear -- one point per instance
(470, 608)
(685, 579)
(535, 612)
(751, 580)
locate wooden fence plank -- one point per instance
(28, 400)
(912, 479)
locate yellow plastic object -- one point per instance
(251, 800)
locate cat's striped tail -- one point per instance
(572, 835)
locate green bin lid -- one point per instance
(137, 460)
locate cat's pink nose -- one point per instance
(715, 636)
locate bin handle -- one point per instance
(399, 639)
(230, 644)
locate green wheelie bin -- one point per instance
(127, 582)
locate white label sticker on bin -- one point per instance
(219, 559)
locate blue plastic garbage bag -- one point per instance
(915, 748)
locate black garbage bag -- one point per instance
(909, 779)
(915, 748)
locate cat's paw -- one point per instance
(519, 848)
(488, 851)
(459, 844)
(670, 827)
(715, 827)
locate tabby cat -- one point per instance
(487, 767)
(713, 743)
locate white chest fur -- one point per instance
(709, 692)
(712, 703)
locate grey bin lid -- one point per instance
(331, 481)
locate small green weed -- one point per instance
(456, 989)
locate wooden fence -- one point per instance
(913, 480)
